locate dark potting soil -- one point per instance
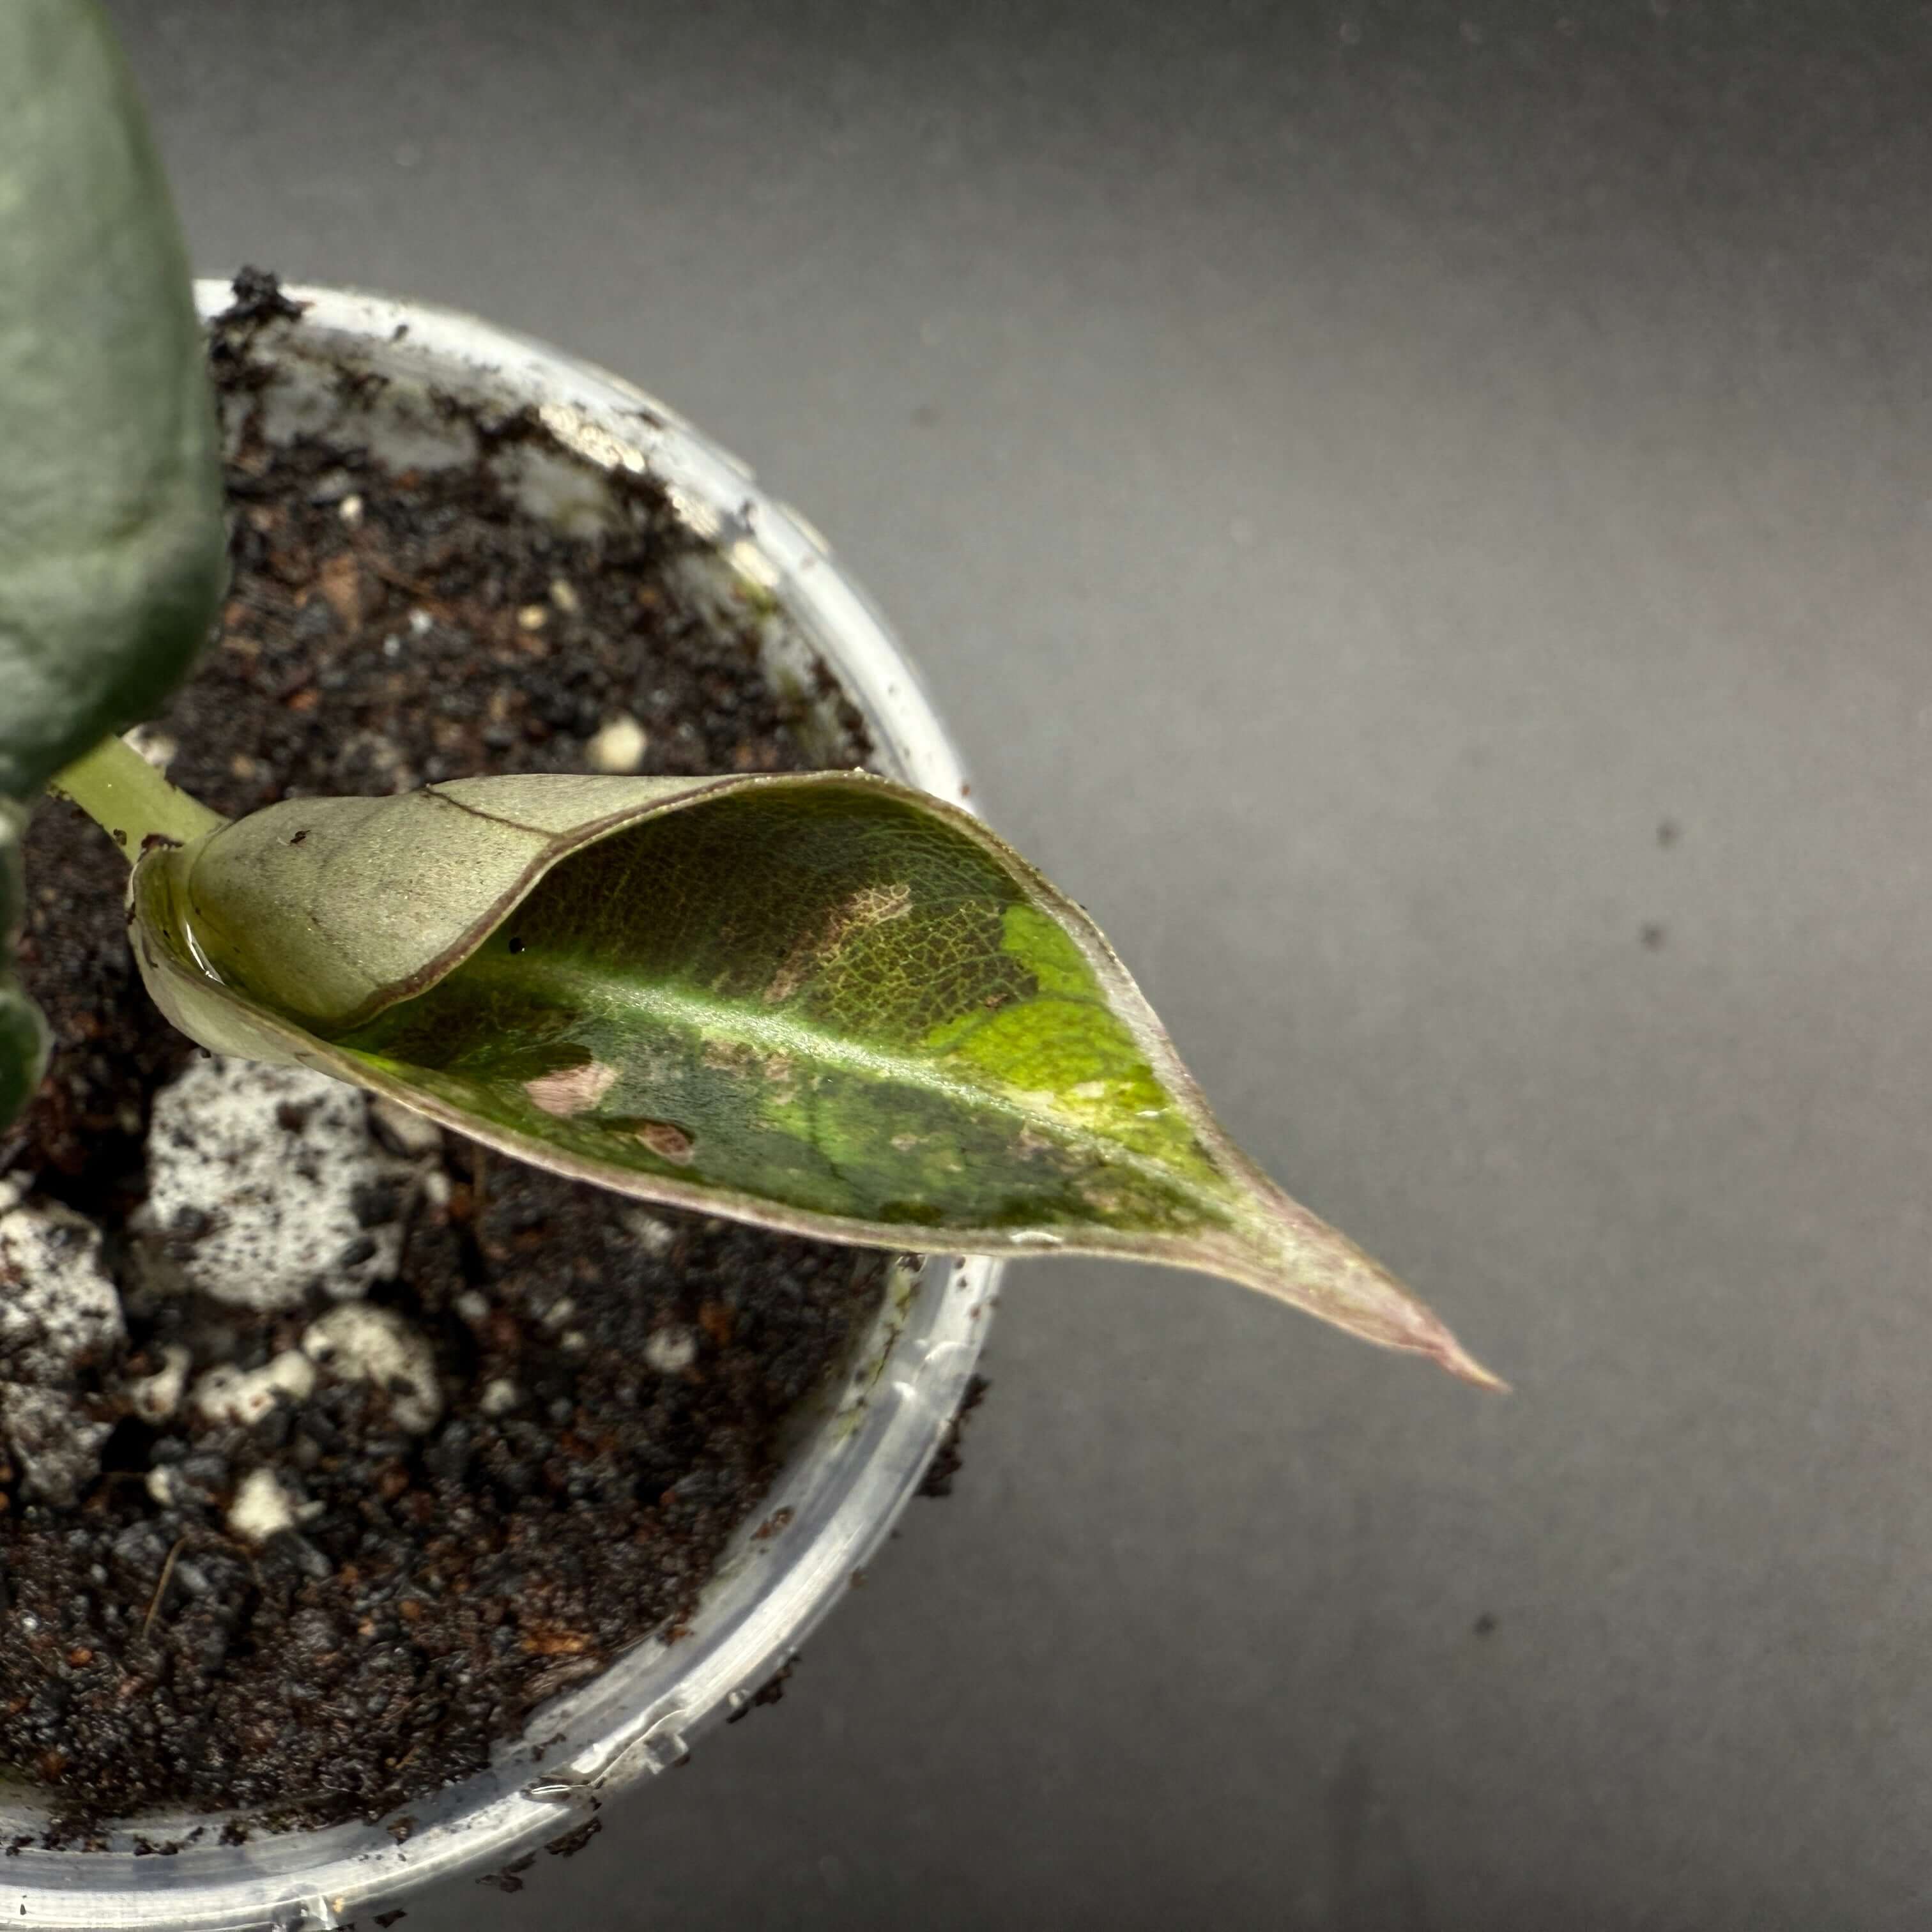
(383, 630)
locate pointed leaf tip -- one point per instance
(1459, 1363)
(1434, 1340)
(824, 1003)
(1285, 1252)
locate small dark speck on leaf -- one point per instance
(1485, 1625)
(1653, 935)
(299, 836)
(516, 944)
(120, 836)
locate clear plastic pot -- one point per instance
(855, 1458)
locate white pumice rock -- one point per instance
(255, 1177)
(360, 1342)
(654, 1236)
(59, 1315)
(156, 1397)
(619, 747)
(225, 1394)
(671, 1351)
(158, 747)
(499, 1397)
(261, 1507)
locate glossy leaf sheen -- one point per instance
(112, 547)
(824, 1003)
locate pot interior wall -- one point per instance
(410, 383)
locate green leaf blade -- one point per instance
(112, 552)
(824, 1003)
(674, 1083)
(23, 1040)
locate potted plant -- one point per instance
(315, 1352)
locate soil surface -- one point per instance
(383, 630)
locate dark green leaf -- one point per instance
(824, 1003)
(23, 1038)
(111, 541)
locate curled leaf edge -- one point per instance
(1398, 1320)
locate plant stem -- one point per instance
(129, 800)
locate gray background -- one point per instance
(1351, 474)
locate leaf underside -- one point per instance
(825, 1003)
